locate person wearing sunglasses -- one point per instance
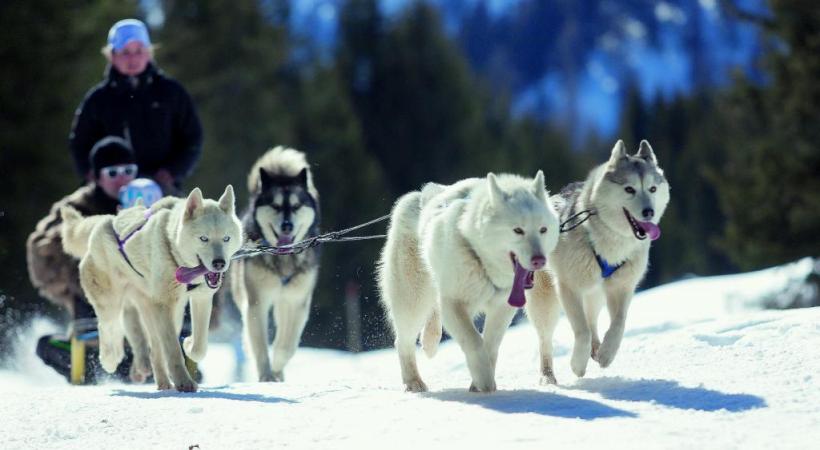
(137, 98)
(54, 273)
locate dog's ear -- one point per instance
(192, 204)
(302, 178)
(496, 194)
(226, 202)
(540, 186)
(264, 180)
(645, 152)
(618, 152)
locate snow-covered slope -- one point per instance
(700, 367)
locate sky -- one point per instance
(701, 366)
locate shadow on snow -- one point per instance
(669, 393)
(207, 392)
(533, 402)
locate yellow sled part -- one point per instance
(191, 365)
(77, 361)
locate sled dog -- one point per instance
(603, 259)
(141, 266)
(284, 208)
(453, 252)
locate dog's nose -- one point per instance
(287, 227)
(538, 261)
(648, 213)
(219, 264)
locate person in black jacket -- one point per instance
(139, 102)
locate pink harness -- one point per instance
(121, 242)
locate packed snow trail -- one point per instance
(700, 367)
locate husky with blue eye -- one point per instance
(284, 209)
(139, 269)
(601, 260)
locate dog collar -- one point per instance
(607, 269)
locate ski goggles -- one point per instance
(112, 172)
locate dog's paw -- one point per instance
(186, 386)
(483, 387)
(111, 356)
(606, 354)
(164, 385)
(266, 376)
(415, 386)
(595, 346)
(136, 377)
(192, 351)
(140, 369)
(548, 378)
(579, 363)
(138, 374)
(279, 376)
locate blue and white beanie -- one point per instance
(128, 30)
(141, 188)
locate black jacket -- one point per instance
(163, 125)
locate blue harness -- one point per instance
(607, 269)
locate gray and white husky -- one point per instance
(284, 209)
(453, 252)
(603, 259)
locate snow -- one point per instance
(701, 366)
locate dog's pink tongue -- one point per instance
(517, 298)
(284, 240)
(185, 275)
(651, 229)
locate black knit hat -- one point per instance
(110, 151)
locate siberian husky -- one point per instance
(284, 209)
(453, 252)
(139, 269)
(603, 259)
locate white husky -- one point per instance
(601, 260)
(453, 252)
(140, 267)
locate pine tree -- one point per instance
(353, 191)
(231, 57)
(769, 185)
(686, 133)
(421, 113)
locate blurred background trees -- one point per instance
(384, 96)
(770, 186)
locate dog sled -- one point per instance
(75, 356)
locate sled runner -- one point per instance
(76, 356)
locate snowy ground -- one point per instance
(700, 367)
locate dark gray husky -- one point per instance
(284, 208)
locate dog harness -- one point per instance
(182, 273)
(607, 269)
(285, 280)
(576, 220)
(121, 242)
